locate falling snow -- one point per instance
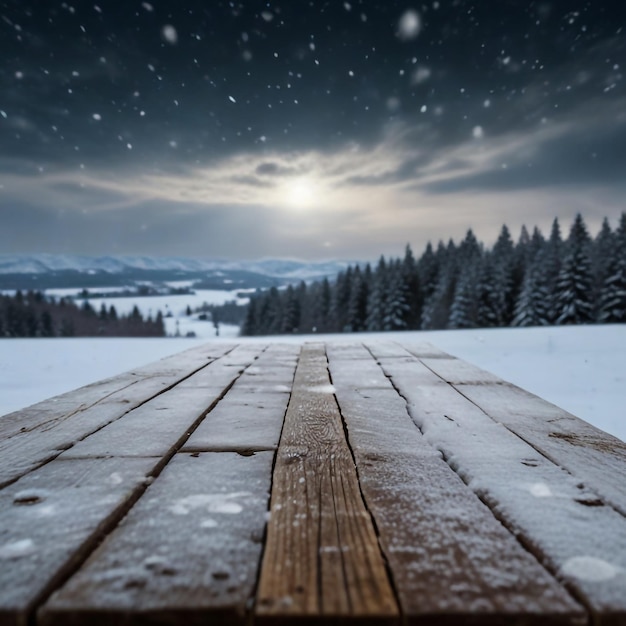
(169, 34)
(409, 25)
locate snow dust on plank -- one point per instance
(596, 458)
(450, 559)
(187, 553)
(250, 418)
(550, 511)
(162, 424)
(35, 435)
(322, 557)
(52, 518)
(45, 505)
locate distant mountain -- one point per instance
(41, 271)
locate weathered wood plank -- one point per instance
(593, 456)
(425, 350)
(52, 518)
(160, 425)
(56, 425)
(242, 422)
(44, 413)
(322, 558)
(273, 371)
(187, 553)
(560, 520)
(451, 561)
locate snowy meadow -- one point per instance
(579, 368)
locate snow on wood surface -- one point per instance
(480, 511)
(449, 557)
(535, 498)
(189, 549)
(43, 431)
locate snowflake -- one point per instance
(169, 34)
(409, 25)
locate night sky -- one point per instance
(304, 129)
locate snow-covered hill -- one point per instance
(45, 263)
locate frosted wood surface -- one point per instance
(242, 421)
(594, 457)
(187, 553)
(58, 428)
(451, 561)
(51, 518)
(563, 522)
(273, 370)
(158, 426)
(387, 349)
(426, 350)
(349, 350)
(72, 402)
(456, 371)
(322, 557)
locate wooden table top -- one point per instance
(336, 483)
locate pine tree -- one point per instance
(552, 261)
(340, 296)
(602, 256)
(397, 308)
(490, 303)
(377, 298)
(612, 299)
(411, 279)
(531, 308)
(503, 259)
(357, 305)
(250, 327)
(463, 311)
(47, 328)
(574, 283)
(612, 296)
(321, 307)
(290, 312)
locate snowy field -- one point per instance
(171, 306)
(582, 369)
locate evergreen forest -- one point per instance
(31, 314)
(536, 281)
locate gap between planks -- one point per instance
(114, 517)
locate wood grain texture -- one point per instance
(559, 519)
(51, 519)
(322, 561)
(32, 437)
(187, 553)
(596, 458)
(451, 561)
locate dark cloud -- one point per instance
(593, 155)
(275, 169)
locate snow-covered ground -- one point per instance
(580, 368)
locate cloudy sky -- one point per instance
(304, 129)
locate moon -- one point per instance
(300, 193)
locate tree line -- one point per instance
(535, 282)
(31, 314)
